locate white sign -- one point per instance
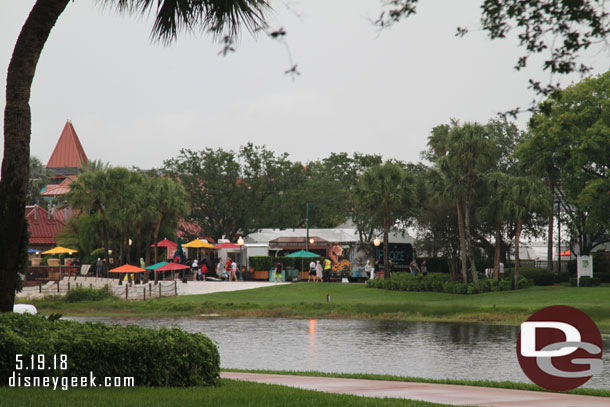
(585, 266)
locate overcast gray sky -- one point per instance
(133, 102)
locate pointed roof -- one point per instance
(68, 151)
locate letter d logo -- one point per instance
(559, 348)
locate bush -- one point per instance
(505, 285)
(562, 277)
(535, 275)
(604, 277)
(163, 357)
(87, 294)
(586, 282)
(435, 264)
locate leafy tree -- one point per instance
(388, 187)
(39, 177)
(570, 136)
(561, 28)
(216, 16)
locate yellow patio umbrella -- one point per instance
(198, 244)
(60, 250)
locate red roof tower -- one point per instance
(69, 152)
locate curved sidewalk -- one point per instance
(436, 393)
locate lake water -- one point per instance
(422, 349)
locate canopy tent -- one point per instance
(60, 250)
(303, 253)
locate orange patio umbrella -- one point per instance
(126, 268)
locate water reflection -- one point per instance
(431, 350)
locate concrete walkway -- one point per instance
(436, 393)
(189, 288)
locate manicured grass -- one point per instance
(308, 300)
(229, 393)
(386, 377)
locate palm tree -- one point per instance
(385, 187)
(527, 195)
(216, 16)
(170, 201)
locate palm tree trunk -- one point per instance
(460, 217)
(517, 243)
(17, 130)
(386, 232)
(497, 247)
(473, 266)
(549, 248)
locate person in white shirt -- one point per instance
(312, 271)
(233, 275)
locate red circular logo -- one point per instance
(559, 348)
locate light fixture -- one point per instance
(130, 242)
(240, 241)
(376, 242)
(70, 253)
(109, 251)
(311, 241)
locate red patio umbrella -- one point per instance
(566, 253)
(167, 244)
(172, 267)
(126, 268)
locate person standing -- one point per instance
(203, 271)
(195, 269)
(424, 269)
(312, 271)
(233, 275)
(219, 269)
(327, 267)
(368, 269)
(414, 268)
(277, 274)
(390, 267)
(318, 272)
(99, 266)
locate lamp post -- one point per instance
(376, 243)
(307, 223)
(240, 242)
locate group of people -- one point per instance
(317, 272)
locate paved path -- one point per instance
(436, 393)
(189, 288)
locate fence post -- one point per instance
(150, 290)
(90, 285)
(176, 287)
(144, 292)
(159, 290)
(68, 285)
(40, 287)
(126, 291)
(57, 285)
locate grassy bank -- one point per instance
(386, 377)
(229, 393)
(308, 300)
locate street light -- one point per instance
(307, 223)
(376, 242)
(240, 242)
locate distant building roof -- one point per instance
(43, 226)
(336, 235)
(59, 189)
(69, 152)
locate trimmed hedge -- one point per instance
(153, 357)
(268, 262)
(586, 282)
(87, 294)
(441, 283)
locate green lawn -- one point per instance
(229, 393)
(308, 300)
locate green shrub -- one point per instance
(562, 277)
(586, 282)
(535, 275)
(163, 357)
(523, 283)
(87, 294)
(505, 285)
(604, 277)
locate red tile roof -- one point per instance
(59, 189)
(68, 151)
(42, 229)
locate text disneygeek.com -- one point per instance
(64, 383)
